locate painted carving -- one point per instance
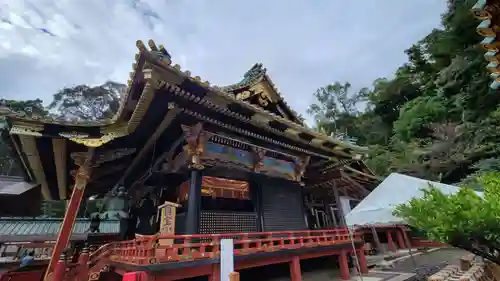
(299, 166)
(196, 139)
(82, 178)
(258, 158)
(243, 95)
(263, 97)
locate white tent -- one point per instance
(396, 189)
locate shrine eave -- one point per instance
(147, 128)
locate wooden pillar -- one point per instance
(70, 216)
(378, 245)
(401, 241)
(339, 205)
(194, 203)
(392, 246)
(295, 272)
(406, 239)
(59, 268)
(363, 267)
(344, 266)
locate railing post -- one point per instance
(295, 272)
(60, 268)
(344, 266)
(392, 247)
(363, 267)
(401, 241)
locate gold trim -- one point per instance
(145, 100)
(26, 130)
(95, 142)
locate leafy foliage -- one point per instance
(87, 103)
(436, 119)
(464, 219)
(79, 103)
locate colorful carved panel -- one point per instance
(228, 156)
(218, 188)
(254, 161)
(278, 168)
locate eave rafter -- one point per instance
(29, 147)
(165, 123)
(60, 160)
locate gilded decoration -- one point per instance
(258, 158)
(82, 138)
(196, 139)
(82, 177)
(256, 79)
(26, 130)
(299, 166)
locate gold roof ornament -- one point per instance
(92, 141)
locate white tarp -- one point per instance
(396, 189)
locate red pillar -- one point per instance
(392, 247)
(295, 272)
(363, 267)
(401, 241)
(69, 218)
(137, 276)
(344, 266)
(215, 275)
(60, 268)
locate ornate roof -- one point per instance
(160, 98)
(258, 75)
(488, 11)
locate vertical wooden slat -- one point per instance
(28, 144)
(60, 160)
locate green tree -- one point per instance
(464, 219)
(87, 103)
(416, 115)
(30, 108)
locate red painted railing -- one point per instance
(155, 249)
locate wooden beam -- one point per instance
(60, 160)
(361, 173)
(28, 144)
(167, 120)
(168, 155)
(355, 183)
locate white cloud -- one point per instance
(48, 44)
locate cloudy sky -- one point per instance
(48, 44)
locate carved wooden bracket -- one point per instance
(258, 158)
(299, 166)
(196, 139)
